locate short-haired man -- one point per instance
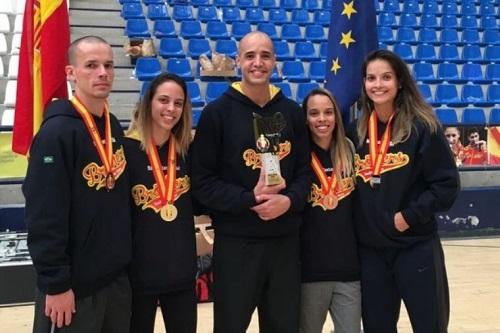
(256, 250)
(77, 203)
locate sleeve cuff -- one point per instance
(410, 217)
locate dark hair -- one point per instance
(85, 39)
(144, 121)
(408, 104)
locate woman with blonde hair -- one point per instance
(406, 173)
(163, 264)
(329, 258)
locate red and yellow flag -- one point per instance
(41, 77)
(494, 145)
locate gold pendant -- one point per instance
(330, 201)
(110, 181)
(168, 213)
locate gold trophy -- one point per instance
(267, 138)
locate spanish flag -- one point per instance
(42, 58)
(494, 144)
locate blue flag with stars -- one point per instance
(352, 35)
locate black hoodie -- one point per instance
(419, 178)
(79, 233)
(225, 166)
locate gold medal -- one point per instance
(168, 212)
(378, 151)
(330, 201)
(110, 182)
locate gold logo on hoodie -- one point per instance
(392, 161)
(252, 158)
(150, 198)
(96, 175)
(342, 190)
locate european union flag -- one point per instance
(352, 35)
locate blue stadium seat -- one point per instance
(293, 71)
(472, 73)
(197, 47)
(310, 5)
(231, 14)
(391, 6)
(240, 29)
(449, 36)
(385, 35)
(278, 16)
(289, 4)
(182, 12)
(147, 68)
(137, 28)
(494, 117)
(424, 72)
(430, 7)
(468, 22)
(267, 4)
(199, 3)
(492, 53)
(493, 72)
(471, 53)
(473, 94)
(450, 8)
(300, 16)
(323, 49)
(282, 51)
(315, 33)
(411, 6)
(405, 52)
(157, 12)
(449, 53)
(191, 29)
(408, 20)
(275, 76)
(447, 116)
(305, 51)
(468, 9)
(327, 4)
(406, 35)
(473, 116)
(151, 2)
(487, 9)
(164, 28)
(448, 72)
(447, 94)
(470, 36)
(181, 67)
(269, 28)
(207, 13)
(291, 32)
(195, 94)
(322, 17)
(489, 22)
(387, 19)
(317, 71)
(196, 117)
(426, 52)
(131, 10)
(125, 1)
(429, 21)
(171, 47)
(227, 47)
(254, 15)
(285, 89)
(303, 89)
(214, 90)
(223, 3)
(244, 3)
(491, 37)
(428, 35)
(449, 21)
(216, 30)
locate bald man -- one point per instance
(256, 250)
(77, 204)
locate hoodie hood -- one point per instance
(236, 92)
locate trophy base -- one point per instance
(274, 179)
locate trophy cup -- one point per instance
(267, 139)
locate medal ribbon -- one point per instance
(164, 182)
(105, 151)
(327, 183)
(378, 152)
